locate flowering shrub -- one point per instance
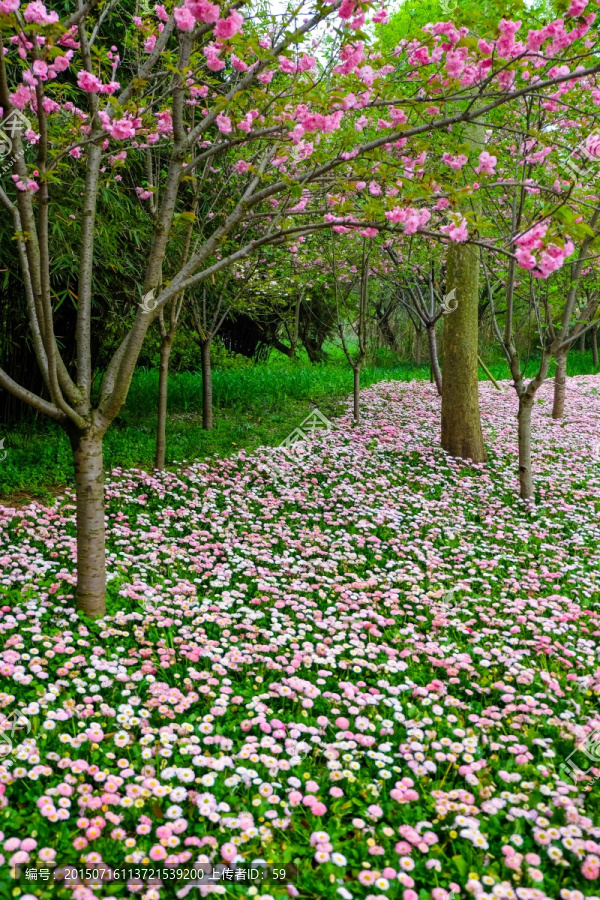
(247, 615)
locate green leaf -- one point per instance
(461, 865)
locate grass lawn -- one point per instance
(258, 404)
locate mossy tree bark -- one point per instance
(163, 389)
(207, 393)
(461, 419)
(560, 383)
(89, 484)
(434, 370)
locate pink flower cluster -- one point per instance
(194, 11)
(548, 256)
(412, 219)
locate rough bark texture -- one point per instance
(560, 378)
(435, 366)
(525, 473)
(163, 385)
(582, 343)
(461, 421)
(207, 399)
(417, 347)
(89, 487)
(357, 394)
(594, 346)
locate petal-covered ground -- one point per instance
(282, 675)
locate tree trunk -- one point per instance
(357, 394)
(91, 553)
(207, 397)
(163, 386)
(525, 473)
(461, 420)
(594, 346)
(560, 378)
(582, 343)
(434, 363)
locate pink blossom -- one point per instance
(457, 230)
(61, 63)
(9, 6)
(591, 145)
(123, 128)
(223, 123)
(455, 162)
(347, 9)
(455, 62)
(36, 12)
(28, 185)
(212, 59)
(203, 11)
(487, 164)
(246, 124)
(238, 64)
(381, 17)
(21, 97)
(577, 7)
(398, 116)
(184, 19)
(226, 28)
(351, 55)
(88, 82)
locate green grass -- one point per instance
(254, 405)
